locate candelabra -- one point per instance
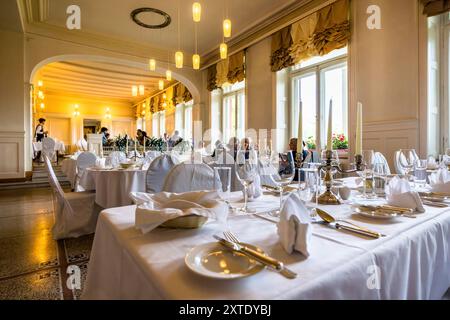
(328, 197)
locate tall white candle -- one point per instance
(126, 147)
(144, 145)
(300, 129)
(135, 146)
(358, 147)
(330, 127)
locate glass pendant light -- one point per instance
(196, 61)
(223, 51)
(227, 28)
(134, 91)
(141, 90)
(197, 11)
(179, 59)
(161, 85)
(169, 75)
(152, 64)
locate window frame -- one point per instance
(317, 70)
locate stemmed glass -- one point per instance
(408, 158)
(367, 174)
(284, 173)
(246, 170)
(380, 171)
(222, 182)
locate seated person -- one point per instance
(104, 131)
(233, 146)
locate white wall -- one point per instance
(12, 93)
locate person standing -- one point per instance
(39, 135)
(104, 132)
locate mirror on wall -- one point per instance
(91, 126)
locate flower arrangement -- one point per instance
(340, 142)
(156, 144)
(120, 143)
(311, 143)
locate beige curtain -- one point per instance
(435, 7)
(222, 72)
(236, 68)
(302, 33)
(281, 46)
(212, 75)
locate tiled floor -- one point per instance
(32, 264)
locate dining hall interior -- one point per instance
(277, 149)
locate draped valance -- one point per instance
(181, 94)
(229, 70)
(315, 35)
(435, 7)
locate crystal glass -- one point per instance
(420, 172)
(367, 174)
(309, 186)
(408, 158)
(380, 171)
(246, 170)
(222, 182)
(284, 173)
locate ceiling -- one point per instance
(111, 18)
(97, 79)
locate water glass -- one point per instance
(246, 170)
(420, 172)
(222, 182)
(380, 171)
(284, 173)
(310, 186)
(368, 158)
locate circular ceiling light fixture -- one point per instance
(165, 23)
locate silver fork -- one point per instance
(280, 268)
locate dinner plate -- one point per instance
(376, 214)
(213, 260)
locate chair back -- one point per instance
(85, 160)
(48, 147)
(53, 180)
(157, 172)
(189, 177)
(380, 158)
(82, 145)
(95, 143)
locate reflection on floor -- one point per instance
(32, 264)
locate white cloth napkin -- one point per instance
(399, 194)
(100, 163)
(155, 209)
(295, 228)
(440, 181)
(432, 164)
(254, 190)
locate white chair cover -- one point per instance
(82, 145)
(157, 172)
(48, 148)
(380, 158)
(149, 157)
(189, 177)
(75, 213)
(84, 160)
(115, 158)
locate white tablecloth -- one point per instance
(112, 187)
(69, 168)
(59, 146)
(414, 260)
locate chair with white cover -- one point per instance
(380, 158)
(95, 143)
(157, 172)
(85, 160)
(75, 212)
(224, 159)
(116, 158)
(48, 148)
(149, 157)
(189, 177)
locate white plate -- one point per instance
(213, 260)
(377, 214)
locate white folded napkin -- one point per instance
(399, 194)
(440, 181)
(295, 228)
(254, 191)
(155, 209)
(100, 163)
(432, 164)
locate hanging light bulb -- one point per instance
(161, 84)
(196, 61)
(152, 64)
(42, 106)
(223, 51)
(179, 59)
(40, 95)
(227, 28)
(169, 75)
(141, 90)
(164, 96)
(40, 83)
(197, 11)
(134, 91)
(76, 112)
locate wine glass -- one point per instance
(284, 173)
(246, 170)
(408, 158)
(368, 158)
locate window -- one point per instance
(228, 112)
(155, 125)
(315, 82)
(179, 119)
(188, 122)
(162, 123)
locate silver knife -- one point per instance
(272, 263)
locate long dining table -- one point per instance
(411, 262)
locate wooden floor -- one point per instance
(32, 264)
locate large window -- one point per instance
(228, 112)
(155, 125)
(188, 122)
(162, 123)
(316, 82)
